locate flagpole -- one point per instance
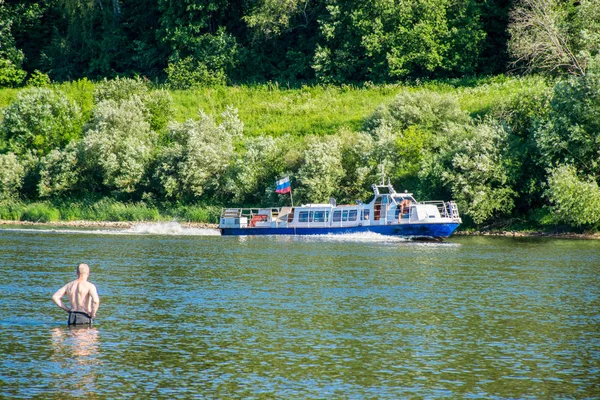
(291, 197)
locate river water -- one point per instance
(189, 314)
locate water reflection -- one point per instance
(76, 349)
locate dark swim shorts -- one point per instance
(79, 318)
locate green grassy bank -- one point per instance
(105, 210)
(275, 109)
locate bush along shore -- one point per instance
(105, 212)
(505, 149)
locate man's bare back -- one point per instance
(83, 296)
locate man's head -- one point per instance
(83, 270)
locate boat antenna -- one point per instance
(382, 176)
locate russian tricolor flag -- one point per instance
(283, 185)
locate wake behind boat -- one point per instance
(389, 213)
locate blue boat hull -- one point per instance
(405, 230)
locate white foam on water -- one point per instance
(170, 228)
(159, 228)
(370, 237)
(65, 231)
(360, 237)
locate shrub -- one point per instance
(158, 104)
(38, 79)
(59, 171)
(576, 200)
(573, 129)
(251, 172)
(120, 89)
(40, 120)
(132, 212)
(118, 144)
(522, 115)
(198, 155)
(428, 110)
(359, 170)
(11, 210)
(70, 211)
(322, 170)
(12, 173)
(40, 212)
(191, 213)
(479, 178)
(10, 74)
(160, 107)
(190, 74)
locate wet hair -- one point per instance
(83, 269)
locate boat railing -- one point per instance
(249, 212)
(447, 209)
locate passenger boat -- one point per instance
(388, 213)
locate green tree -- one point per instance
(39, 121)
(12, 174)
(88, 41)
(555, 35)
(198, 155)
(380, 40)
(575, 199)
(415, 126)
(252, 173)
(11, 58)
(523, 115)
(479, 179)
(572, 132)
(359, 169)
(198, 30)
(158, 104)
(118, 144)
(321, 170)
(60, 171)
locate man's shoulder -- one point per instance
(91, 285)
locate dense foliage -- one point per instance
(530, 154)
(149, 111)
(193, 43)
(190, 43)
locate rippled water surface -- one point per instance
(199, 315)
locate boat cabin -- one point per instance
(386, 208)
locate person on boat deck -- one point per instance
(83, 298)
(404, 204)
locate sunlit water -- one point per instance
(189, 314)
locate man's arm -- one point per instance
(57, 297)
(95, 300)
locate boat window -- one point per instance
(337, 216)
(303, 216)
(353, 215)
(365, 214)
(377, 208)
(319, 216)
(291, 216)
(397, 212)
(345, 215)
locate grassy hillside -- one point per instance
(276, 110)
(249, 170)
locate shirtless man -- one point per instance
(82, 295)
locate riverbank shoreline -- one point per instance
(107, 224)
(557, 235)
(204, 225)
